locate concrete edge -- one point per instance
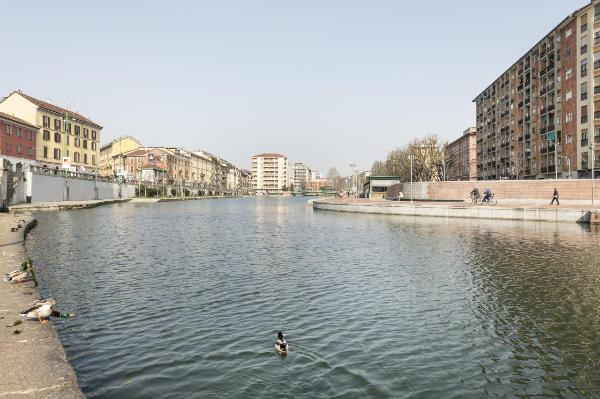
(53, 361)
(66, 206)
(562, 215)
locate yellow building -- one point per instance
(111, 155)
(63, 135)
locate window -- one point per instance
(7, 147)
(19, 131)
(93, 160)
(76, 156)
(77, 142)
(30, 151)
(29, 135)
(57, 124)
(19, 148)
(569, 139)
(584, 91)
(568, 32)
(45, 152)
(569, 95)
(94, 145)
(569, 117)
(568, 52)
(57, 137)
(85, 158)
(85, 144)
(57, 153)
(77, 131)
(46, 121)
(85, 132)
(569, 74)
(46, 135)
(68, 126)
(93, 135)
(8, 130)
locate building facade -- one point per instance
(111, 155)
(461, 157)
(270, 173)
(63, 137)
(17, 141)
(302, 176)
(537, 119)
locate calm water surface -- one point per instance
(180, 300)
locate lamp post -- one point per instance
(593, 169)
(411, 157)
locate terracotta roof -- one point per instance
(136, 153)
(269, 155)
(59, 110)
(153, 167)
(16, 120)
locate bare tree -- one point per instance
(428, 160)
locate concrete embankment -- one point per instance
(34, 364)
(64, 205)
(571, 214)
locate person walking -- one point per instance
(555, 197)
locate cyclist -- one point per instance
(487, 196)
(475, 194)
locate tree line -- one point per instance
(428, 161)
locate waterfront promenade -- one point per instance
(34, 363)
(505, 211)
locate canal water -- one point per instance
(185, 299)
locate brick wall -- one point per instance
(535, 191)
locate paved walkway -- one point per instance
(34, 363)
(508, 204)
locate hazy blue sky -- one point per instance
(325, 82)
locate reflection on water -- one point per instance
(181, 300)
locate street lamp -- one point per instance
(593, 169)
(411, 157)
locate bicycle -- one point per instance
(490, 202)
(474, 199)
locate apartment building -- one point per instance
(537, 119)
(63, 137)
(111, 155)
(270, 173)
(17, 141)
(301, 176)
(461, 157)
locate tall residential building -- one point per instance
(270, 173)
(111, 155)
(461, 157)
(536, 120)
(301, 177)
(63, 136)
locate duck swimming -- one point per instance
(42, 310)
(281, 345)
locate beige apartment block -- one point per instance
(111, 155)
(461, 157)
(62, 135)
(270, 173)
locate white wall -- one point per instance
(50, 188)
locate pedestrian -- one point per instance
(555, 197)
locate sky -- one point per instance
(325, 82)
